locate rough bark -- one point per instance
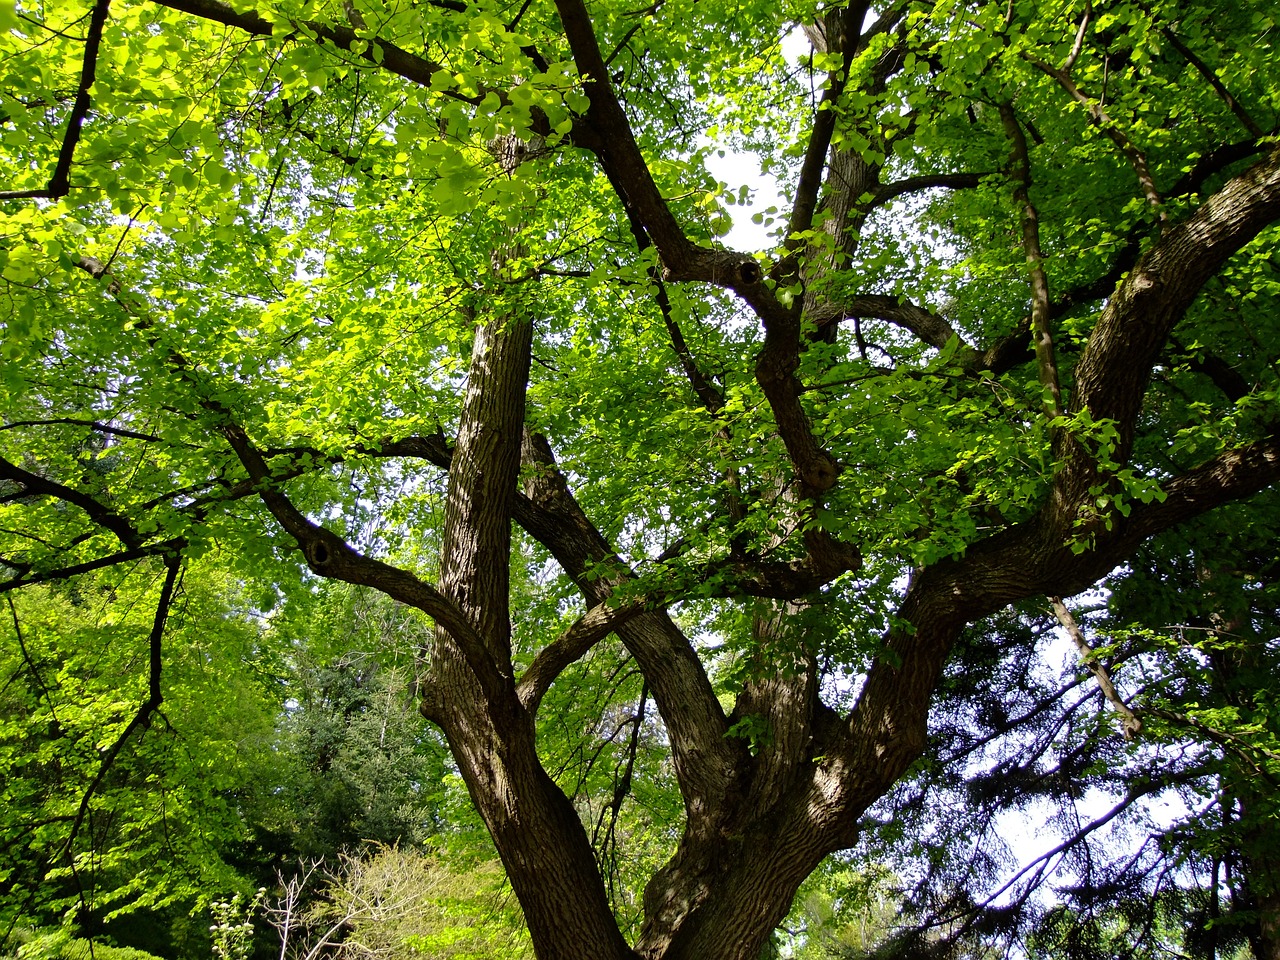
(535, 828)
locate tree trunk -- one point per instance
(471, 693)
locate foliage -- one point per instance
(55, 944)
(81, 833)
(353, 762)
(232, 929)
(1163, 842)
(308, 301)
(397, 903)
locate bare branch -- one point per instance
(1130, 724)
(1078, 45)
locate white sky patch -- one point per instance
(741, 169)
(735, 170)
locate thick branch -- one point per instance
(843, 25)
(99, 513)
(929, 327)
(1232, 475)
(937, 181)
(613, 142)
(1112, 375)
(330, 556)
(706, 760)
(389, 56)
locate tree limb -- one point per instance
(1211, 76)
(99, 513)
(155, 697)
(330, 556)
(390, 57)
(1041, 334)
(945, 181)
(60, 182)
(1137, 159)
(583, 634)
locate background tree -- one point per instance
(1147, 765)
(296, 261)
(96, 796)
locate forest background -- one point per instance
(423, 534)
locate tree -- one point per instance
(368, 283)
(355, 763)
(98, 789)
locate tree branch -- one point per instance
(60, 182)
(330, 556)
(611, 139)
(1137, 159)
(584, 633)
(1041, 335)
(706, 760)
(390, 57)
(1112, 374)
(26, 578)
(945, 181)
(155, 697)
(76, 422)
(102, 515)
(1130, 724)
(1214, 81)
(846, 22)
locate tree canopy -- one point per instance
(437, 300)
